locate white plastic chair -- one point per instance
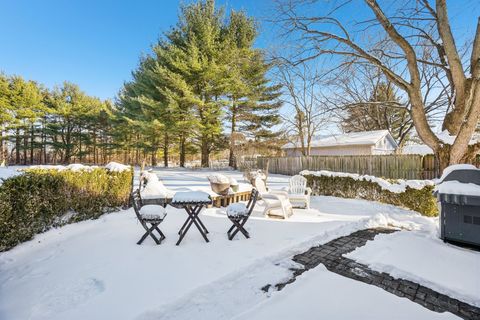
(276, 201)
(298, 192)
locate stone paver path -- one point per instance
(331, 255)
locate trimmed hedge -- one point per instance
(43, 198)
(421, 200)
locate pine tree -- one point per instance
(6, 112)
(253, 108)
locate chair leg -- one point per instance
(162, 236)
(238, 225)
(149, 232)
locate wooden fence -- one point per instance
(387, 166)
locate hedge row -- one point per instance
(420, 200)
(40, 199)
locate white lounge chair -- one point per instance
(276, 201)
(298, 192)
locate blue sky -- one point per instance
(96, 44)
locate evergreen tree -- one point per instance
(253, 108)
(6, 113)
(26, 101)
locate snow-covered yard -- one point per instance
(95, 270)
(424, 258)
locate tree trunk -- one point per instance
(182, 151)
(32, 138)
(80, 146)
(44, 142)
(205, 153)
(2, 147)
(94, 146)
(231, 158)
(17, 146)
(165, 150)
(154, 157)
(25, 146)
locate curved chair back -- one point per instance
(260, 185)
(297, 184)
(137, 203)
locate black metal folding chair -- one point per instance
(149, 220)
(238, 213)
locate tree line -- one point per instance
(61, 125)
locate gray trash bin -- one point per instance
(460, 213)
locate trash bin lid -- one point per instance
(464, 173)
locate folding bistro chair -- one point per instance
(239, 213)
(150, 217)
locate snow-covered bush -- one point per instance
(46, 197)
(412, 194)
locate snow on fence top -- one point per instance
(398, 187)
(112, 166)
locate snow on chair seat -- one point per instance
(237, 210)
(238, 213)
(150, 217)
(152, 212)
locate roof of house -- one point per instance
(422, 149)
(347, 139)
(417, 148)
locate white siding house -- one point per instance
(354, 143)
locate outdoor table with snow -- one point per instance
(192, 202)
(458, 193)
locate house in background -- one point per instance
(416, 148)
(354, 143)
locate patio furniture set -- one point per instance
(150, 209)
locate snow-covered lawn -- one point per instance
(320, 294)
(423, 258)
(95, 270)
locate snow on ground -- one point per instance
(423, 258)
(95, 270)
(7, 172)
(320, 294)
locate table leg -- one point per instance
(182, 233)
(193, 219)
(198, 223)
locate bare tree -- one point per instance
(410, 35)
(301, 85)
